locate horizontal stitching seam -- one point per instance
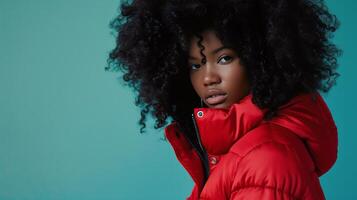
(268, 187)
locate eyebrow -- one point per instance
(214, 51)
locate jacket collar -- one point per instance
(306, 115)
(220, 128)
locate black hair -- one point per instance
(285, 46)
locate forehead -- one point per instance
(209, 41)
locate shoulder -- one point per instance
(273, 148)
(275, 144)
(271, 157)
(270, 146)
(273, 139)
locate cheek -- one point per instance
(233, 74)
(236, 80)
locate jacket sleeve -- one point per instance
(275, 171)
(194, 193)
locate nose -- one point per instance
(211, 76)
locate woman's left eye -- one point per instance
(225, 58)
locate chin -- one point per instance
(223, 105)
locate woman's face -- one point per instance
(221, 76)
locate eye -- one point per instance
(229, 58)
(194, 66)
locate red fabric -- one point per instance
(251, 158)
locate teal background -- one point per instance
(69, 130)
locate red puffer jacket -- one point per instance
(253, 159)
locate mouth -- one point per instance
(216, 97)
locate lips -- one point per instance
(215, 96)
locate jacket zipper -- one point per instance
(203, 156)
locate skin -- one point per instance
(222, 70)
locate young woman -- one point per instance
(240, 81)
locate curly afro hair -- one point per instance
(284, 45)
